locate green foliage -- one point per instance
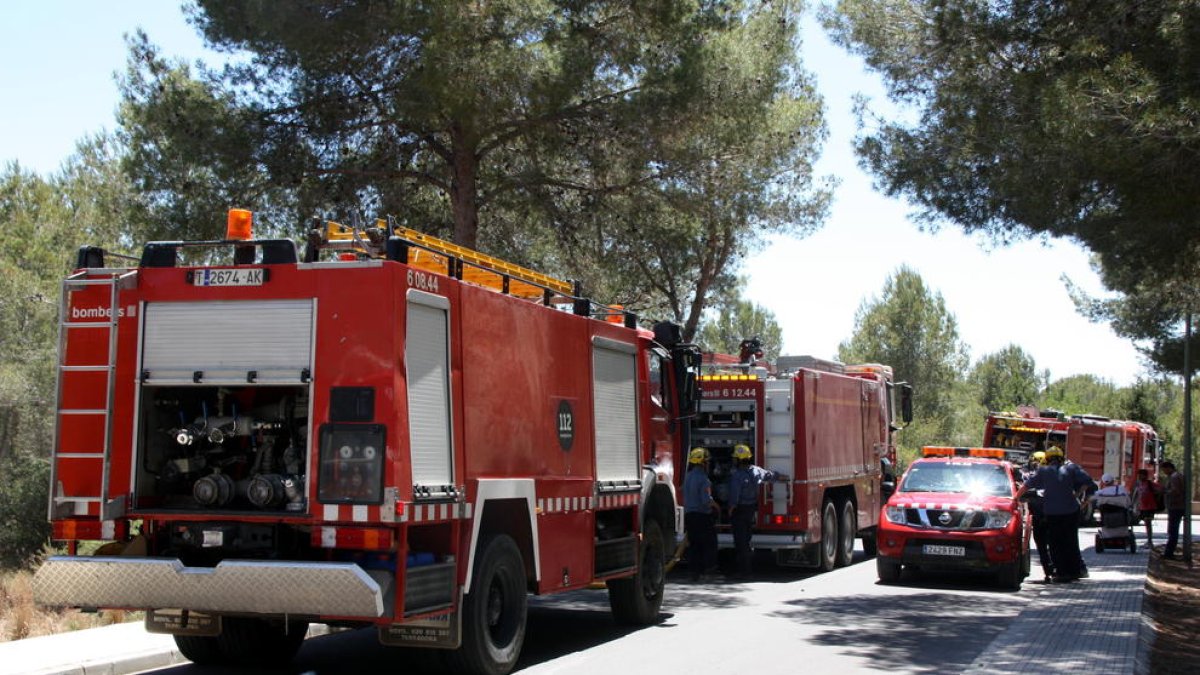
(45, 221)
(909, 328)
(24, 529)
(1150, 312)
(1081, 395)
(642, 148)
(737, 319)
(1075, 120)
(1149, 401)
(33, 263)
(1005, 379)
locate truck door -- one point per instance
(658, 434)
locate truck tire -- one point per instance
(1009, 576)
(493, 613)
(261, 643)
(201, 650)
(827, 547)
(636, 600)
(887, 569)
(847, 529)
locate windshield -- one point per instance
(975, 479)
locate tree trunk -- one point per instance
(464, 203)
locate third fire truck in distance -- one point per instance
(1028, 430)
(828, 427)
(389, 431)
(1115, 447)
(1097, 444)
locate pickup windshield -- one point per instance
(977, 479)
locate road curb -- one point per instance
(130, 663)
(140, 661)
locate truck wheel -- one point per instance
(887, 569)
(847, 528)
(260, 642)
(636, 600)
(827, 549)
(201, 650)
(493, 613)
(1009, 576)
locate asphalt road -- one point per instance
(781, 621)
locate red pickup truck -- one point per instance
(954, 510)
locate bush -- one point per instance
(24, 529)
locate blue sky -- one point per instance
(60, 58)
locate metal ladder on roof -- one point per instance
(63, 504)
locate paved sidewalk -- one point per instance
(1091, 625)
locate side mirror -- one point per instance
(906, 405)
(691, 382)
(887, 488)
(686, 360)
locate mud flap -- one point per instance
(438, 632)
(806, 556)
(182, 622)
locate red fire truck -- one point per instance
(1115, 447)
(829, 428)
(1119, 448)
(1020, 434)
(411, 436)
(1098, 444)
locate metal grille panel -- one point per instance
(955, 519)
(258, 587)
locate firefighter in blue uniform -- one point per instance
(699, 515)
(743, 502)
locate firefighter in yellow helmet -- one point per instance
(1060, 483)
(743, 502)
(699, 515)
(1034, 499)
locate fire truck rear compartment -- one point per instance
(718, 427)
(221, 448)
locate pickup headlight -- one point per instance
(895, 514)
(351, 464)
(998, 520)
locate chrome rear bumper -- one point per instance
(234, 586)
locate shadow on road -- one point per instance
(927, 632)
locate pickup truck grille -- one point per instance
(946, 519)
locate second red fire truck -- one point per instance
(828, 427)
(410, 436)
